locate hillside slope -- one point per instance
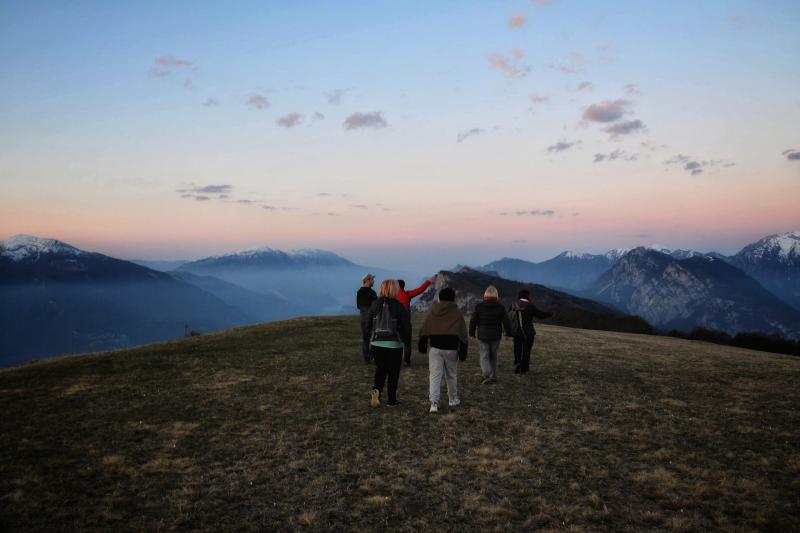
(268, 428)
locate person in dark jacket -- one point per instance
(489, 320)
(444, 328)
(387, 352)
(404, 297)
(364, 298)
(521, 315)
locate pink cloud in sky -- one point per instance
(510, 66)
(517, 21)
(290, 120)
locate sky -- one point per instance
(414, 134)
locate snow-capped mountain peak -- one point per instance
(21, 247)
(569, 254)
(616, 253)
(783, 247)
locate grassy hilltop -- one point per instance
(268, 427)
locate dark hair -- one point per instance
(447, 295)
(524, 294)
(402, 283)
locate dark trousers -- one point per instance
(387, 364)
(407, 343)
(365, 336)
(522, 353)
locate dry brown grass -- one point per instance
(268, 428)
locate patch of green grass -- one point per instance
(269, 427)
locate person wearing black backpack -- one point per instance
(389, 325)
(521, 314)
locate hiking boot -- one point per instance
(486, 381)
(375, 398)
(434, 407)
(455, 403)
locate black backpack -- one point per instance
(515, 319)
(384, 326)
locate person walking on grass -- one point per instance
(388, 323)
(446, 332)
(521, 315)
(364, 298)
(405, 298)
(489, 320)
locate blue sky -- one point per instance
(108, 109)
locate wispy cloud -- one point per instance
(258, 101)
(171, 61)
(625, 127)
(695, 166)
(535, 212)
(517, 21)
(537, 98)
(510, 65)
(632, 89)
(334, 97)
(562, 145)
(373, 120)
(211, 102)
(616, 154)
(208, 189)
(606, 111)
(165, 65)
(542, 3)
(585, 86)
(318, 116)
(792, 154)
(602, 46)
(289, 121)
(469, 133)
(576, 62)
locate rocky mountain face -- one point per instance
(568, 310)
(569, 270)
(774, 262)
(698, 291)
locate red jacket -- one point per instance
(404, 297)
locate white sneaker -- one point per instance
(455, 403)
(434, 408)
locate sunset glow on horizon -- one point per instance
(415, 133)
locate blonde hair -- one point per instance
(389, 288)
(491, 292)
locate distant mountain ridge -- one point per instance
(568, 310)
(55, 298)
(698, 291)
(569, 270)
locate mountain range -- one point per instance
(55, 298)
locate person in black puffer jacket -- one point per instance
(521, 315)
(489, 320)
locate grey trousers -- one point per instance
(488, 351)
(443, 362)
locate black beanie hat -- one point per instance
(447, 295)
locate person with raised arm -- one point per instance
(404, 297)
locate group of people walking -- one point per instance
(386, 336)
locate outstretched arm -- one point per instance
(419, 290)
